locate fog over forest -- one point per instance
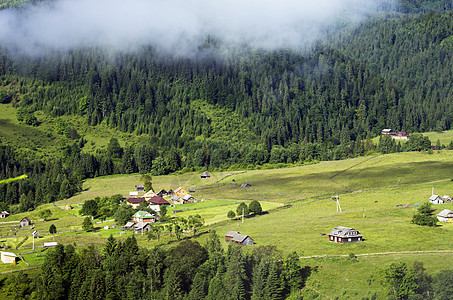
(177, 26)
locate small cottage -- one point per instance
(8, 257)
(4, 214)
(387, 132)
(135, 202)
(245, 185)
(142, 227)
(143, 216)
(445, 216)
(436, 199)
(35, 234)
(343, 235)
(446, 198)
(188, 199)
(205, 174)
(25, 222)
(140, 188)
(238, 238)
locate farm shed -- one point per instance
(142, 227)
(245, 185)
(8, 257)
(128, 226)
(143, 216)
(205, 174)
(4, 214)
(238, 238)
(343, 235)
(436, 199)
(445, 216)
(188, 198)
(25, 222)
(446, 198)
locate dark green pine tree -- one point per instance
(260, 274)
(273, 289)
(110, 246)
(199, 288)
(235, 279)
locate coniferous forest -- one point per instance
(235, 109)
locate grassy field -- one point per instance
(369, 190)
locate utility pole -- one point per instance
(33, 241)
(242, 215)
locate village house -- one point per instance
(128, 226)
(387, 132)
(445, 216)
(156, 200)
(135, 202)
(436, 199)
(162, 193)
(188, 199)
(180, 192)
(143, 216)
(140, 188)
(401, 136)
(205, 174)
(25, 222)
(446, 198)
(238, 238)
(8, 257)
(142, 227)
(149, 195)
(343, 235)
(133, 194)
(4, 214)
(176, 200)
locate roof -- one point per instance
(178, 189)
(142, 214)
(158, 200)
(135, 200)
(139, 186)
(129, 224)
(446, 213)
(162, 191)
(175, 198)
(239, 237)
(205, 173)
(434, 197)
(26, 219)
(187, 197)
(50, 244)
(345, 232)
(150, 193)
(5, 212)
(133, 193)
(141, 225)
(4, 253)
(446, 197)
(231, 233)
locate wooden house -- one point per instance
(128, 226)
(446, 198)
(143, 216)
(445, 216)
(170, 192)
(156, 200)
(343, 235)
(135, 202)
(436, 199)
(238, 238)
(140, 188)
(180, 192)
(205, 174)
(387, 132)
(25, 222)
(188, 199)
(142, 227)
(8, 257)
(162, 193)
(176, 200)
(4, 214)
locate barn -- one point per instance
(238, 238)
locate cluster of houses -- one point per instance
(141, 222)
(436, 199)
(396, 135)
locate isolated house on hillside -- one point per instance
(343, 235)
(25, 222)
(446, 198)
(436, 199)
(238, 238)
(205, 174)
(8, 257)
(143, 216)
(445, 216)
(401, 136)
(135, 202)
(35, 234)
(4, 214)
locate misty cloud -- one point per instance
(179, 26)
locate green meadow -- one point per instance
(300, 212)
